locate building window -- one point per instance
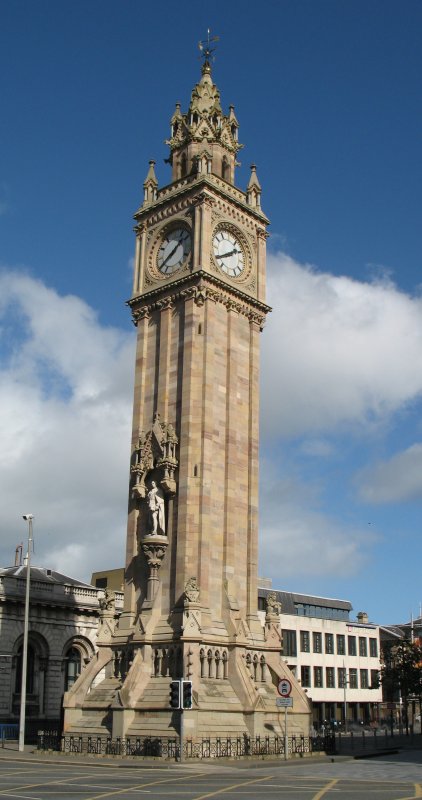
(101, 583)
(73, 663)
(364, 679)
(318, 678)
(329, 643)
(330, 678)
(305, 644)
(317, 642)
(262, 605)
(351, 645)
(353, 678)
(373, 648)
(289, 643)
(341, 644)
(30, 670)
(363, 649)
(341, 677)
(305, 676)
(375, 679)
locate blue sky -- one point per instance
(327, 93)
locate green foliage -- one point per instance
(401, 672)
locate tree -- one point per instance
(401, 673)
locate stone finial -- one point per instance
(253, 191)
(150, 184)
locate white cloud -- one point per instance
(65, 414)
(299, 540)
(317, 447)
(393, 481)
(336, 351)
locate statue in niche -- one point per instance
(156, 509)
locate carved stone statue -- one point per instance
(156, 508)
(108, 602)
(273, 605)
(191, 591)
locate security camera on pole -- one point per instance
(28, 518)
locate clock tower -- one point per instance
(190, 599)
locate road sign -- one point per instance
(284, 702)
(284, 687)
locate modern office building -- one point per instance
(336, 659)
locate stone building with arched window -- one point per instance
(63, 624)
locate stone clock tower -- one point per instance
(190, 600)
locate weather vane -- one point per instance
(205, 46)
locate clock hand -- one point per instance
(231, 253)
(170, 254)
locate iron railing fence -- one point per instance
(169, 747)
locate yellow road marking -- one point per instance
(325, 789)
(36, 785)
(144, 785)
(418, 793)
(232, 786)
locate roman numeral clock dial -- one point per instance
(228, 253)
(174, 250)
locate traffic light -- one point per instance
(187, 694)
(175, 694)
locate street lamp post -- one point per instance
(28, 518)
(345, 682)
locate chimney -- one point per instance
(362, 617)
(18, 555)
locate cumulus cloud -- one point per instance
(336, 351)
(299, 540)
(65, 413)
(395, 480)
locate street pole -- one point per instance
(29, 518)
(181, 729)
(286, 736)
(344, 697)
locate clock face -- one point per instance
(228, 253)
(174, 250)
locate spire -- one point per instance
(150, 184)
(253, 191)
(204, 139)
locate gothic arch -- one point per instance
(76, 653)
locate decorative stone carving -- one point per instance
(155, 449)
(108, 602)
(191, 594)
(154, 549)
(191, 623)
(273, 605)
(206, 287)
(106, 622)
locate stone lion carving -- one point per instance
(191, 591)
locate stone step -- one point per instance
(91, 724)
(104, 693)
